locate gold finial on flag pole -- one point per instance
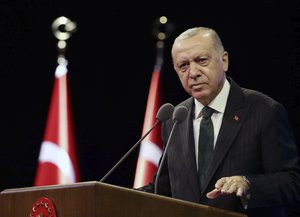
(162, 29)
(63, 28)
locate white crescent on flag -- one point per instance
(52, 153)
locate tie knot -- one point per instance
(207, 112)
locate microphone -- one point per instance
(179, 115)
(163, 114)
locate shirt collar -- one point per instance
(218, 103)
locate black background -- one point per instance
(111, 58)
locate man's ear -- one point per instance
(225, 60)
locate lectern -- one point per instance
(95, 199)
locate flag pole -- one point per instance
(151, 147)
(57, 163)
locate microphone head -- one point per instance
(180, 114)
(165, 112)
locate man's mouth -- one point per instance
(197, 86)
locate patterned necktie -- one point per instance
(206, 144)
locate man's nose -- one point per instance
(194, 70)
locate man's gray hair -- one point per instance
(200, 30)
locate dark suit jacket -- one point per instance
(255, 140)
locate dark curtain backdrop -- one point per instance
(111, 58)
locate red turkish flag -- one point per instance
(57, 162)
(151, 146)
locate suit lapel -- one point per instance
(186, 128)
(233, 119)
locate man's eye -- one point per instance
(183, 67)
(202, 60)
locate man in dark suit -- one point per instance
(254, 164)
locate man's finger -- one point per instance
(220, 183)
(239, 192)
(213, 194)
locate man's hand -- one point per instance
(229, 185)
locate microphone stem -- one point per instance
(128, 152)
(163, 158)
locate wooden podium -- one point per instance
(95, 199)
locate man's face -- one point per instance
(200, 66)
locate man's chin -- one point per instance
(201, 96)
